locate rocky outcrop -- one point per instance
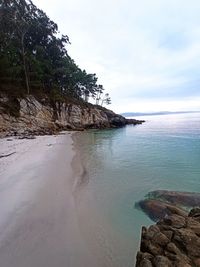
(173, 241)
(30, 116)
(157, 209)
(187, 199)
(160, 203)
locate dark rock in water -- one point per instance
(187, 199)
(173, 241)
(157, 209)
(134, 121)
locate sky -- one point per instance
(145, 53)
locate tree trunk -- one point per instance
(24, 65)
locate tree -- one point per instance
(99, 92)
(106, 99)
(17, 15)
(33, 55)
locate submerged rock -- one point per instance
(161, 203)
(157, 209)
(134, 121)
(187, 199)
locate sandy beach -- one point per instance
(39, 224)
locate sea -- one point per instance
(120, 167)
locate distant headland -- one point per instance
(133, 114)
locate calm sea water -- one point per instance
(122, 166)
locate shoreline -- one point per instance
(105, 241)
(39, 224)
(80, 172)
(48, 214)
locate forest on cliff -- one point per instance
(34, 58)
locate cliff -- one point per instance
(31, 116)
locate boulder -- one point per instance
(173, 241)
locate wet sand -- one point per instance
(39, 223)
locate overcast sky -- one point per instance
(145, 53)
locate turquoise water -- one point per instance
(125, 164)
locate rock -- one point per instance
(134, 122)
(193, 223)
(188, 241)
(173, 241)
(146, 263)
(161, 261)
(161, 239)
(26, 137)
(188, 199)
(152, 248)
(183, 264)
(171, 247)
(197, 262)
(152, 231)
(174, 220)
(40, 118)
(157, 209)
(195, 213)
(168, 234)
(144, 259)
(174, 254)
(176, 210)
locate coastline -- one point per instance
(49, 214)
(39, 224)
(105, 240)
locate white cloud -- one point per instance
(138, 49)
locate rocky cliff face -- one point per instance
(173, 241)
(30, 116)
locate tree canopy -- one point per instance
(34, 58)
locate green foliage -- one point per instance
(33, 57)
